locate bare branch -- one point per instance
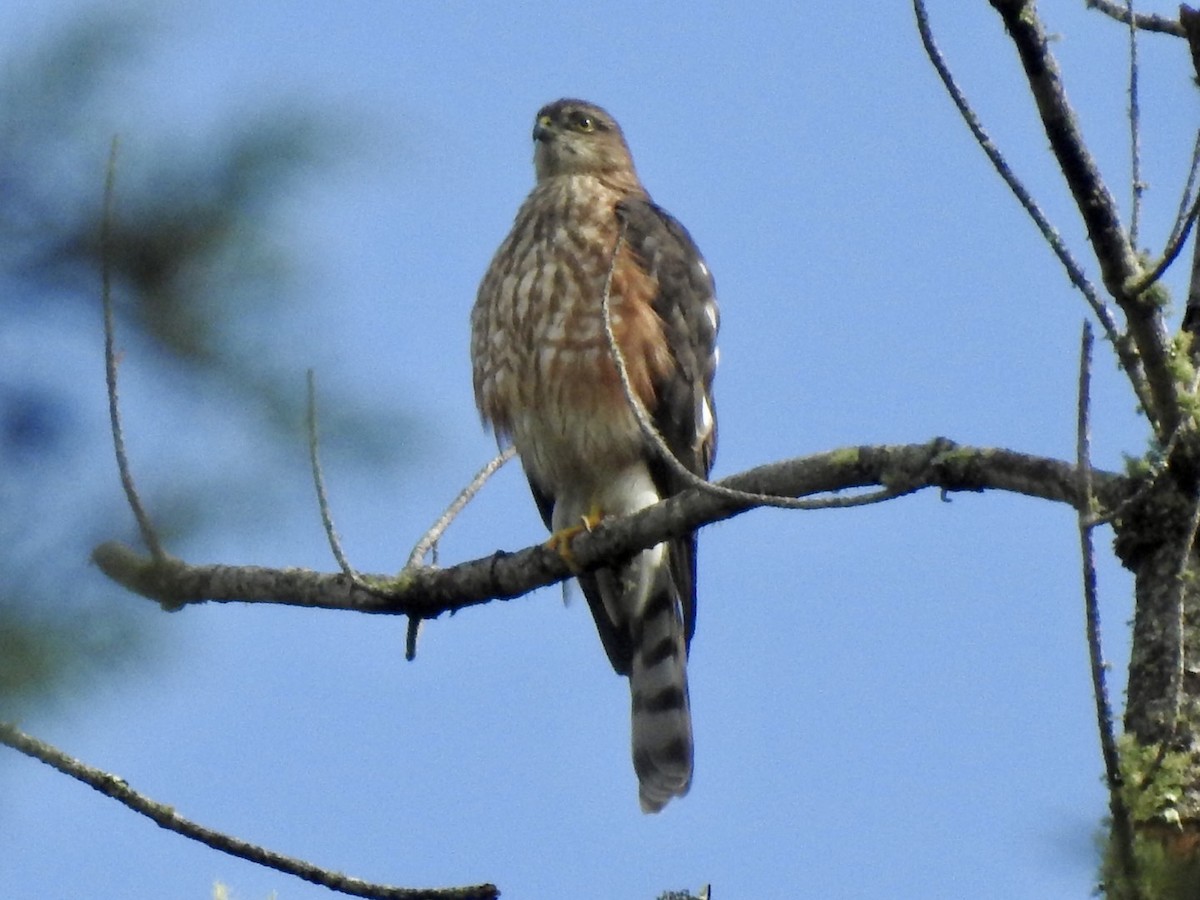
(1126, 353)
(1118, 260)
(427, 592)
(410, 637)
(1122, 824)
(1189, 21)
(166, 817)
(1191, 315)
(1170, 254)
(149, 535)
(428, 543)
(1187, 207)
(434, 534)
(335, 543)
(1135, 134)
(1185, 218)
(1142, 21)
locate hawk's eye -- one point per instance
(585, 122)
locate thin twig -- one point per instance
(1122, 825)
(149, 535)
(166, 817)
(1185, 219)
(1191, 313)
(1135, 136)
(335, 543)
(429, 541)
(410, 637)
(1130, 363)
(1186, 206)
(1142, 21)
(660, 445)
(427, 545)
(1170, 254)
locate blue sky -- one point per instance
(889, 702)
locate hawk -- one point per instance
(545, 379)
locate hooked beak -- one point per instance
(541, 130)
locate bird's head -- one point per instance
(573, 137)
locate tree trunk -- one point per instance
(1160, 753)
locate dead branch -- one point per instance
(1137, 186)
(1116, 256)
(314, 458)
(1131, 365)
(149, 535)
(1189, 21)
(1122, 822)
(427, 545)
(1141, 21)
(427, 592)
(428, 542)
(166, 817)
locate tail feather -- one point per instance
(662, 721)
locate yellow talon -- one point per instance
(560, 541)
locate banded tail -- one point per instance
(662, 719)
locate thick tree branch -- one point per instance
(1189, 25)
(1118, 260)
(427, 592)
(166, 817)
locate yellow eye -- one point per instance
(585, 123)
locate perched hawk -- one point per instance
(546, 381)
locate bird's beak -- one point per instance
(541, 129)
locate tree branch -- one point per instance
(427, 592)
(1142, 21)
(149, 535)
(1138, 187)
(1191, 315)
(166, 817)
(1122, 822)
(1189, 25)
(314, 458)
(1131, 365)
(427, 545)
(1118, 261)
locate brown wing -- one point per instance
(683, 411)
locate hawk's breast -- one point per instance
(543, 371)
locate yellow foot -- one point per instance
(560, 541)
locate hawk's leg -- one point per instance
(560, 541)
